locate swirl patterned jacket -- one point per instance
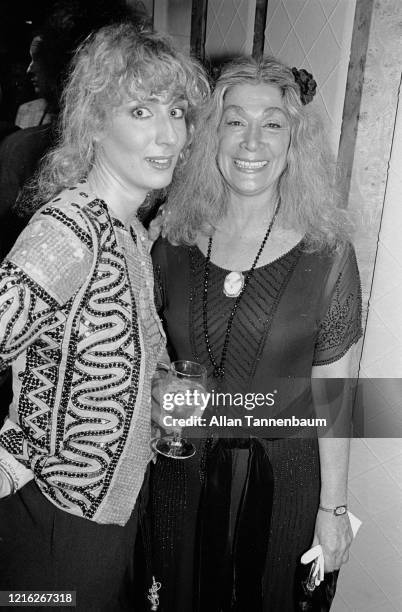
(78, 323)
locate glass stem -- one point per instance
(176, 440)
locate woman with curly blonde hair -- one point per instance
(258, 281)
(78, 322)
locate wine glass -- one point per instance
(181, 377)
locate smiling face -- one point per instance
(254, 136)
(140, 145)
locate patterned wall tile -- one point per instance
(278, 28)
(389, 524)
(309, 24)
(293, 10)
(230, 28)
(397, 604)
(375, 496)
(372, 538)
(376, 490)
(316, 35)
(361, 592)
(388, 573)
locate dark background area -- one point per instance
(18, 20)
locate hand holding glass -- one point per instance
(182, 381)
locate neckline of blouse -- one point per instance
(297, 246)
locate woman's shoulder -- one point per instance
(61, 226)
(344, 257)
(331, 267)
(72, 200)
(75, 208)
(331, 256)
(55, 249)
(341, 272)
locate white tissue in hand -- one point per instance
(315, 553)
(311, 554)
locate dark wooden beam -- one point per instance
(261, 7)
(198, 28)
(353, 95)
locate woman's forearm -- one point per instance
(333, 399)
(334, 462)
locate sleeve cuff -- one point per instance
(19, 473)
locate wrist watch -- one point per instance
(338, 511)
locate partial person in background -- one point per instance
(51, 50)
(79, 325)
(258, 281)
(38, 111)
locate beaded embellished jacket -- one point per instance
(78, 323)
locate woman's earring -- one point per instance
(183, 156)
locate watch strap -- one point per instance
(337, 511)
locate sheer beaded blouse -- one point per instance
(78, 322)
(301, 310)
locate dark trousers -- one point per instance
(43, 548)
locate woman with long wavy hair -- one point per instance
(79, 326)
(258, 281)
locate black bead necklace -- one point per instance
(219, 368)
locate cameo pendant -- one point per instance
(233, 284)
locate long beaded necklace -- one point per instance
(219, 368)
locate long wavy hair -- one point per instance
(199, 195)
(114, 64)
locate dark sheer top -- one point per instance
(241, 496)
(301, 310)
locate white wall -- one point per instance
(315, 35)
(372, 579)
(230, 28)
(382, 349)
